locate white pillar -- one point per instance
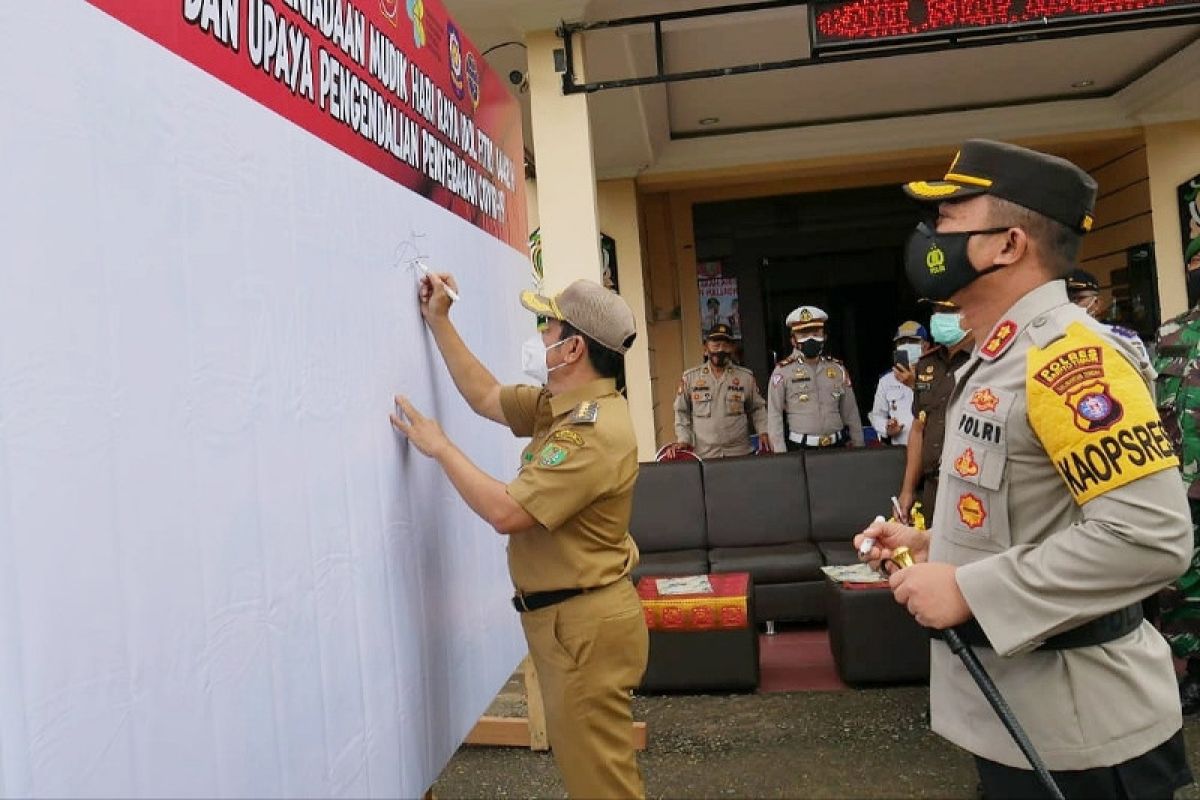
(619, 218)
(566, 175)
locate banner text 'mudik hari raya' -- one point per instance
(392, 83)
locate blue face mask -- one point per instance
(945, 329)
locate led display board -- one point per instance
(847, 24)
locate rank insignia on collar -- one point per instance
(1001, 338)
(587, 412)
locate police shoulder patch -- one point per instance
(1094, 414)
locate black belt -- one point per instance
(1098, 631)
(536, 600)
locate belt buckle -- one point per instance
(826, 440)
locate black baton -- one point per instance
(902, 558)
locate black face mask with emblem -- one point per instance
(937, 264)
(718, 359)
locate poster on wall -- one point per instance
(222, 573)
(1189, 226)
(608, 260)
(718, 299)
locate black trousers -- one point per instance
(1154, 775)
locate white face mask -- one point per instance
(914, 352)
(533, 358)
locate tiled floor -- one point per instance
(797, 661)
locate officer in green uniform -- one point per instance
(717, 402)
(567, 513)
(1059, 507)
(810, 393)
(1178, 365)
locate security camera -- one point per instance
(516, 77)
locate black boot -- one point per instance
(1189, 688)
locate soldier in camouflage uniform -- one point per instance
(1178, 389)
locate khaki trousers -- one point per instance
(590, 653)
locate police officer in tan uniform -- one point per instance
(1059, 506)
(716, 403)
(567, 514)
(811, 392)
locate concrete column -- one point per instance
(566, 175)
(1172, 157)
(619, 218)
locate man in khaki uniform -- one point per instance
(811, 392)
(567, 511)
(1058, 508)
(717, 402)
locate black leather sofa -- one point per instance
(780, 518)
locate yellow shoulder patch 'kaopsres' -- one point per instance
(1094, 415)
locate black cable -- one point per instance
(988, 687)
(504, 44)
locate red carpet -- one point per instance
(797, 661)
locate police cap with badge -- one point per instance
(936, 263)
(806, 319)
(1080, 282)
(719, 333)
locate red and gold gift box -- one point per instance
(723, 608)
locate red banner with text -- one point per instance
(393, 83)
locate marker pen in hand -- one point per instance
(453, 295)
(900, 515)
(869, 542)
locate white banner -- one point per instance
(220, 572)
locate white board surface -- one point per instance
(220, 572)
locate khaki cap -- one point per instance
(592, 310)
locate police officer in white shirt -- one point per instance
(891, 414)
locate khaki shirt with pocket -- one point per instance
(576, 479)
(1060, 502)
(714, 415)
